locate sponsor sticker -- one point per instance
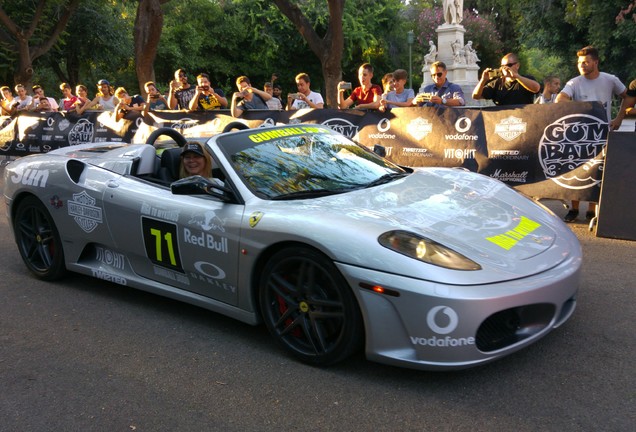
(510, 238)
(83, 209)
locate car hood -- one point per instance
(509, 235)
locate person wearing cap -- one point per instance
(104, 99)
(195, 161)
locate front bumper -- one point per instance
(432, 326)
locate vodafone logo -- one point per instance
(446, 325)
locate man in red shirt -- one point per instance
(367, 96)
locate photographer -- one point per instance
(248, 97)
(207, 98)
(442, 91)
(505, 86)
(155, 100)
(305, 98)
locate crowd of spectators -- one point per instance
(503, 86)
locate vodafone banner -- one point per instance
(547, 151)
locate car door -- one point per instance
(188, 242)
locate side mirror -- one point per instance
(379, 150)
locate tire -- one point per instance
(309, 308)
(38, 240)
(172, 133)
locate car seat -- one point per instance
(169, 168)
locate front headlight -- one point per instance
(426, 250)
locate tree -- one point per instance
(147, 33)
(30, 37)
(328, 49)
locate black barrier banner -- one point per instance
(546, 151)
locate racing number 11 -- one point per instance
(168, 237)
(160, 241)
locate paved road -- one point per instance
(86, 355)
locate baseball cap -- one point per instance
(103, 81)
(193, 148)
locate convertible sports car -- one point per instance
(330, 245)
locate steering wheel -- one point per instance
(172, 133)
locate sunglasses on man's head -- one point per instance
(438, 74)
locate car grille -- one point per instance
(510, 326)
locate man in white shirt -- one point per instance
(305, 98)
(591, 85)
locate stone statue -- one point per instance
(470, 54)
(430, 57)
(458, 52)
(453, 11)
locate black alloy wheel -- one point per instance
(38, 240)
(309, 308)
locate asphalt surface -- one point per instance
(86, 355)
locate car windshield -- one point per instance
(308, 164)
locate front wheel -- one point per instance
(38, 240)
(309, 308)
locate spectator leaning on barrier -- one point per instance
(506, 86)
(591, 85)
(400, 96)
(155, 100)
(305, 98)
(207, 97)
(274, 103)
(127, 104)
(442, 92)
(38, 96)
(23, 100)
(248, 97)
(181, 92)
(551, 88)
(67, 103)
(8, 103)
(104, 99)
(277, 91)
(365, 96)
(81, 92)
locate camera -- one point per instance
(494, 74)
(345, 86)
(205, 88)
(295, 95)
(424, 96)
(154, 96)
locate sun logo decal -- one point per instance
(255, 218)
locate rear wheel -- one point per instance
(309, 308)
(38, 240)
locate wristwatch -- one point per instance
(443, 101)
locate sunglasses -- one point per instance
(510, 64)
(183, 76)
(438, 74)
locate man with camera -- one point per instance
(207, 98)
(366, 96)
(506, 86)
(305, 98)
(442, 92)
(248, 97)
